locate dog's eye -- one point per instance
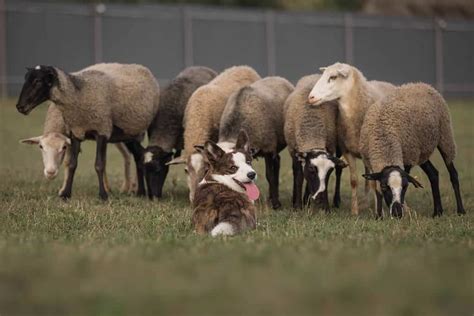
(234, 168)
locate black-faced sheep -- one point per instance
(55, 148)
(311, 137)
(165, 133)
(105, 102)
(258, 109)
(202, 117)
(401, 131)
(354, 94)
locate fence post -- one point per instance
(188, 37)
(348, 38)
(3, 50)
(439, 24)
(270, 42)
(98, 11)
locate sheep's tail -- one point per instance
(232, 117)
(447, 144)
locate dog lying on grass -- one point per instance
(223, 202)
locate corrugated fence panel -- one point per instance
(59, 35)
(393, 51)
(306, 42)
(166, 38)
(149, 35)
(224, 38)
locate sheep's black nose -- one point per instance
(251, 175)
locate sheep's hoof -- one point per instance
(276, 205)
(103, 196)
(64, 195)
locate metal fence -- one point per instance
(168, 38)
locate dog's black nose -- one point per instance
(251, 175)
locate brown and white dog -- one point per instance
(223, 202)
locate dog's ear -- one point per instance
(212, 151)
(243, 142)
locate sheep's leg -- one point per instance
(377, 199)
(297, 183)
(453, 175)
(272, 171)
(351, 160)
(137, 151)
(66, 192)
(106, 181)
(337, 191)
(127, 180)
(100, 160)
(432, 174)
(306, 195)
(67, 158)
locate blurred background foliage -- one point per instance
(440, 8)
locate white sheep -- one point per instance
(55, 148)
(347, 85)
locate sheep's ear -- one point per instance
(301, 156)
(176, 161)
(415, 182)
(243, 142)
(31, 141)
(343, 73)
(338, 162)
(373, 176)
(212, 151)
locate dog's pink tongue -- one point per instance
(252, 191)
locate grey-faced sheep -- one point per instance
(347, 85)
(401, 131)
(55, 148)
(258, 109)
(165, 133)
(311, 137)
(105, 102)
(202, 117)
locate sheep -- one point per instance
(401, 131)
(55, 148)
(258, 109)
(311, 137)
(355, 94)
(202, 117)
(106, 102)
(166, 131)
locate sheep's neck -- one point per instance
(352, 109)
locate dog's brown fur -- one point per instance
(215, 202)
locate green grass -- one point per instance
(132, 256)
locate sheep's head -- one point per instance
(393, 183)
(156, 167)
(53, 148)
(37, 87)
(334, 83)
(317, 167)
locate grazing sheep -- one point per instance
(258, 109)
(401, 131)
(165, 133)
(106, 102)
(55, 148)
(355, 94)
(311, 137)
(202, 117)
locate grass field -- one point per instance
(132, 256)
